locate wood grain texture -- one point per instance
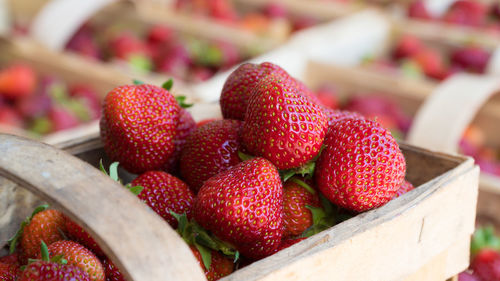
(142, 245)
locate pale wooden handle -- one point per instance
(141, 244)
(441, 121)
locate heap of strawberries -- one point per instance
(278, 168)
(43, 104)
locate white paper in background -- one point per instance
(56, 23)
(346, 41)
(438, 7)
(4, 18)
(493, 66)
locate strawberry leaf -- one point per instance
(484, 238)
(138, 82)
(45, 251)
(243, 156)
(113, 171)
(101, 167)
(306, 170)
(168, 85)
(206, 255)
(136, 190)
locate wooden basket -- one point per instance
(423, 235)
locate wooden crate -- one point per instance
(424, 234)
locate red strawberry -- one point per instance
(474, 59)
(328, 97)
(206, 121)
(51, 271)
(159, 34)
(62, 119)
(10, 117)
(466, 276)
(11, 259)
(184, 128)
(164, 193)
(296, 215)
(126, 45)
(9, 272)
(417, 9)
(486, 265)
(361, 166)
(405, 187)
(112, 272)
(79, 256)
(466, 12)
(220, 266)
(209, 150)
(76, 233)
(238, 87)
(431, 63)
(282, 125)
(138, 126)
(43, 225)
(17, 81)
(89, 98)
(250, 215)
(285, 243)
(407, 46)
(84, 43)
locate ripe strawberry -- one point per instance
(238, 87)
(51, 271)
(282, 125)
(159, 34)
(431, 63)
(205, 121)
(220, 266)
(250, 215)
(486, 265)
(209, 150)
(165, 193)
(361, 166)
(466, 12)
(473, 59)
(11, 259)
(17, 81)
(297, 217)
(9, 272)
(184, 128)
(405, 187)
(61, 119)
(43, 225)
(328, 97)
(84, 43)
(112, 272)
(466, 276)
(79, 256)
(407, 46)
(88, 97)
(417, 9)
(125, 45)
(10, 117)
(76, 233)
(138, 126)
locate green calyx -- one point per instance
(303, 184)
(306, 170)
(324, 217)
(46, 256)
(15, 239)
(137, 82)
(193, 234)
(484, 238)
(168, 84)
(113, 174)
(243, 156)
(182, 102)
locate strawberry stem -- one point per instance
(45, 251)
(304, 185)
(244, 156)
(14, 240)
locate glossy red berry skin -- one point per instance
(50, 271)
(361, 166)
(209, 150)
(334, 115)
(296, 216)
(184, 128)
(220, 266)
(282, 125)
(243, 206)
(164, 193)
(405, 187)
(486, 265)
(138, 126)
(76, 233)
(112, 272)
(9, 272)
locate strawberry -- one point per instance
(297, 198)
(61, 119)
(84, 43)
(417, 9)
(466, 276)
(10, 117)
(405, 187)
(51, 271)
(209, 150)
(112, 272)
(43, 225)
(282, 125)
(466, 12)
(125, 45)
(88, 97)
(431, 63)
(206, 121)
(361, 166)
(407, 46)
(249, 216)
(165, 193)
(220, 266)
(239, 85)
(159, 34)
(9, 272)
(473, 59)
(76, 233)
(486, 265)
(138, 126)
(79, 256)
(184, 128)
(11, 259)
(334, 115)
(17, 80)
(328, 97)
